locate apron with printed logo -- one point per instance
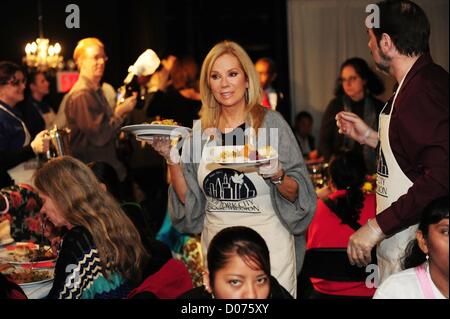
(239, 196)
(391, 184)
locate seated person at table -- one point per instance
(338, 217)
(303, 129)
(426, 262)
(238, 268)
(101, 254)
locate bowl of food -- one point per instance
(26, 277)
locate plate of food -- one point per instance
(28, 254)
(167, 127)
(240, 155)
(28, 277)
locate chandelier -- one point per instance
(41, 54)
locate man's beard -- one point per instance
(384, 64)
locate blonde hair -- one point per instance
(82, 202)
(83, 44)
(210, 110)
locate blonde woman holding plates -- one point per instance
(276, 199)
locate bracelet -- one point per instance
(377, 231)
(366, 136)
(278, 180)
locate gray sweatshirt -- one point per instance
(295, 216)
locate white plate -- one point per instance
(49, 271)
(6, 241)
(245, 163)
(31, 284)
(213, 154)
(147, 130)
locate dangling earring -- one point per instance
(246, 96)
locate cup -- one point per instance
(59, 142)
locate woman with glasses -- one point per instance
(355, 90)
(17, 150)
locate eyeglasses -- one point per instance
(350, 79)
(16, 82)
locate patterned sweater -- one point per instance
(78, 271)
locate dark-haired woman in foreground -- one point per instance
(238, 268)
(426, 262)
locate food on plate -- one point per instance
(26, 253)
(4, 267)
(165, 122)
(41, 254)
(246, 153)
(24, 276)
(265, 152)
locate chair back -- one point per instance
(333, 264)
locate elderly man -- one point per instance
(413, 135)
(93, 124)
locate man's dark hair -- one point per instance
(32, 75)
(7, 71)
(240, 240)
(303, 114)
(271, 63)
(407, 25)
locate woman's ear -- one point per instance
(422, 242)
(206, 281)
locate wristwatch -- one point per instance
(279, 180)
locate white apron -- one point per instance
(391, 184)
(22, 173)
(238, 196)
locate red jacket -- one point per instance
(172, 280)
